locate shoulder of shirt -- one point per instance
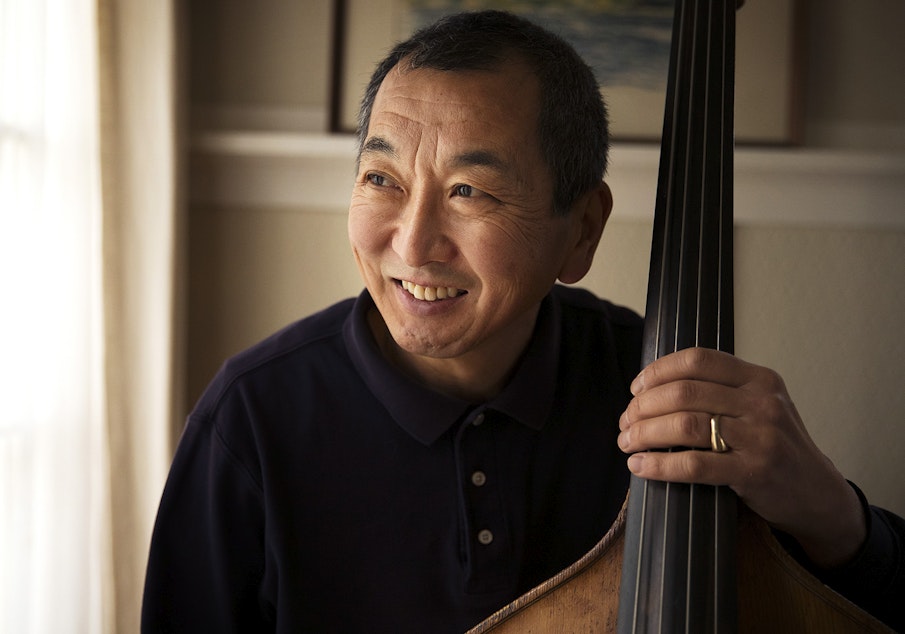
(287, 342)
(586, 316)
(579, 299)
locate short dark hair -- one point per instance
(572, 127)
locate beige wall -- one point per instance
(820, 239)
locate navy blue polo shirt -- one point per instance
(318, 489)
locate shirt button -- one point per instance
(478, 419)
(478, 478)
(485, 537)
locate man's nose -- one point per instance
(423, 232)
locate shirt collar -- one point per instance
(425, 414)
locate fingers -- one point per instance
(675, 397)
(699, 364)
(689, 466)
(674, 400)
(694, 462)
(687, 395)
(682, 429)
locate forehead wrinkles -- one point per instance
(423, 107)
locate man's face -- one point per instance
(451, 220)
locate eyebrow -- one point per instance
(378, 145)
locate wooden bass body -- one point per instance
(776, 594)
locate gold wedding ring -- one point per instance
(717, 443)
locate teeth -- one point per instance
(429, 293)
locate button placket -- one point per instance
(478, 479)
(488, 548)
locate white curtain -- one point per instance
(88, 262)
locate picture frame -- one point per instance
(628, 49)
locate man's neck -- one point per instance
(475, 377)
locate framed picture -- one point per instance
(626, 43)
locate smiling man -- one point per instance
(415, 458)
(453, 228)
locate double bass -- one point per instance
(685, 557)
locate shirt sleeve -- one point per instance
(875, 578)
(206, 559)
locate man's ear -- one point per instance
(590, 214)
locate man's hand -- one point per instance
(771, 462)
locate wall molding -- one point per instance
(784, 186)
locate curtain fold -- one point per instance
(143, 229)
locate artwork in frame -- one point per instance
(626, 42)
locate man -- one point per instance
(416, 458)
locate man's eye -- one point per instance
(377, 179)
(466, 191)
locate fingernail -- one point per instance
(624, 440)
(635, 462)
(637, 385)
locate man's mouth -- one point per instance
(430, 293)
